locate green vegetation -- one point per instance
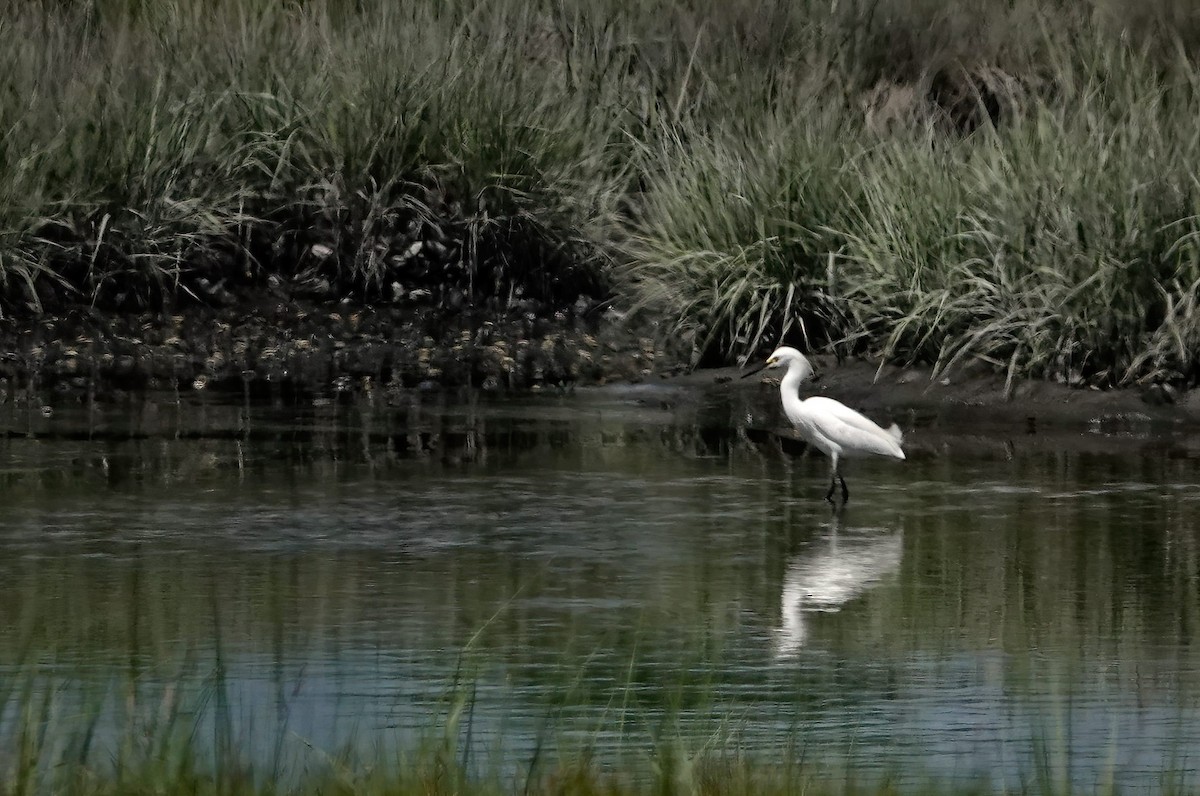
(928, 181)
(1024, 200)
(151, 149)
(67, 738)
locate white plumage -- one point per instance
(830, 426)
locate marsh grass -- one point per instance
(1044, 262)
(152, 148)
(175, 735)
(919, 180)
(1053, 236)
(176, 727)
(169, 739)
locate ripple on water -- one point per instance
(969, 610)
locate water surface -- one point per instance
(604, 571)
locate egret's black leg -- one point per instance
(834, 475)
(845, 491)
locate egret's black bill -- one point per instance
(756, 370)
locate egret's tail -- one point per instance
(895, 433)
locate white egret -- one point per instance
(829, 425)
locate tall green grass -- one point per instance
(1057, 240)
(144, 149)
(131, 737)
(925, 181)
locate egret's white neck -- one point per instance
(790, 385)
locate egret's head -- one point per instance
(784, 356)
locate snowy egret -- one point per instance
(829, 425)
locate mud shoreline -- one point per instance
(286, 347)
(296, 346)
(967, 401)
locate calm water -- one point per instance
(608, 571)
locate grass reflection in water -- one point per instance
(599, 597)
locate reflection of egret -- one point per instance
(825, 576)
(829, 425)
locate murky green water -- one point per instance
(610, 571)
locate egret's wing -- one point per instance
(854, 432)
(854, 440)
(828, 406)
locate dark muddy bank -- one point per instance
(280, 344)
(970, 400)
(284, 346)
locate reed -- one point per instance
(1057, 239)
(924, 181)
(153, 148)
(177, 737)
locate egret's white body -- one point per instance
(831, 427)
